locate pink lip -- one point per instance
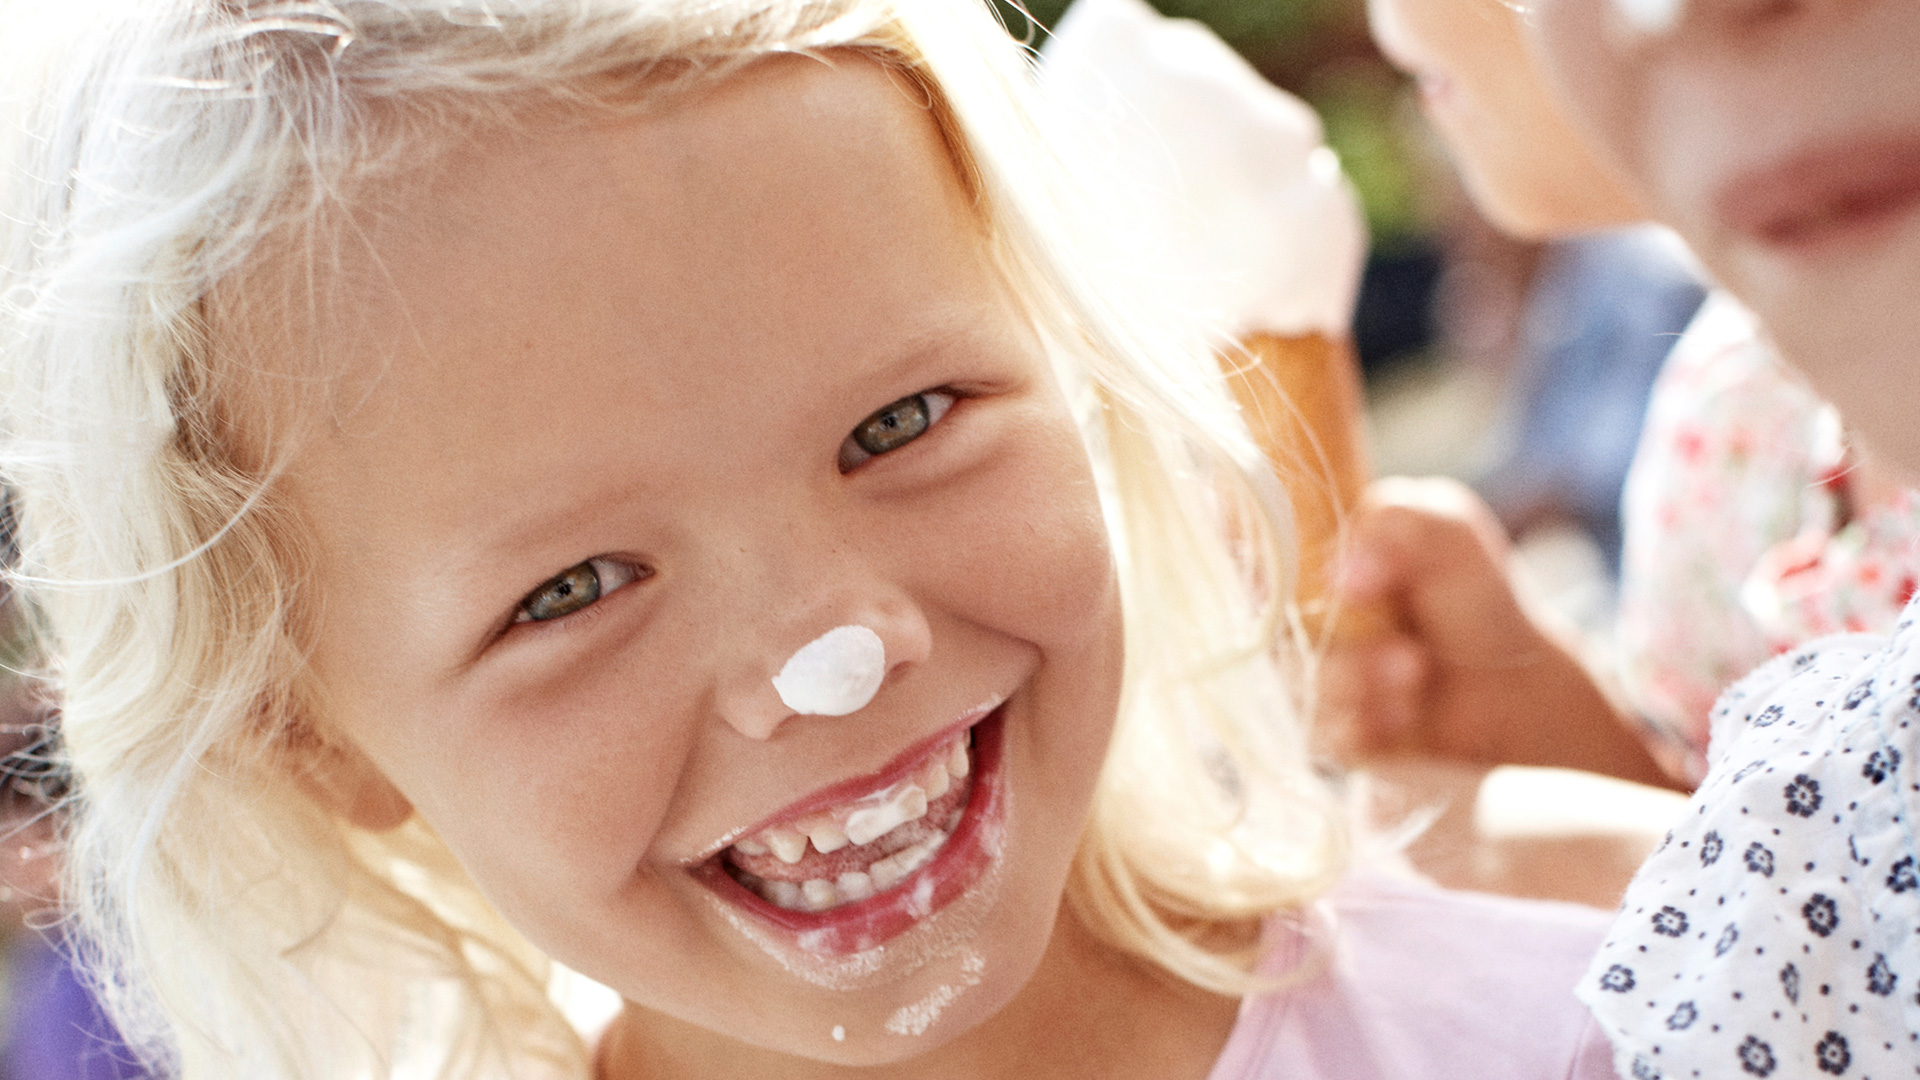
(1828, 194)
(965, 857)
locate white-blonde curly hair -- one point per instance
(236, 928)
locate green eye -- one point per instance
(576, 588)
(893, 427)
(564, 595)
(896, 425)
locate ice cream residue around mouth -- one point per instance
(865, 846)
(916, 1018)
(835, 674)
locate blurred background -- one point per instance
(1522, 368)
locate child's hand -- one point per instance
(1465, 673)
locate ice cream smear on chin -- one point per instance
(1650, 16)
(865, 846)
(835, 674)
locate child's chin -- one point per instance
(942, 1003)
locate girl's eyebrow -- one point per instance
(522, 533)
(956, 332)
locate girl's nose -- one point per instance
(828, 663)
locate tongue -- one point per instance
(940, 817)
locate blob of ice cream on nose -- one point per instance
(834, 674)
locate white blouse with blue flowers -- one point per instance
(1776, 931)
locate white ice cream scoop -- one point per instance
(834, 674)
(1255, 224)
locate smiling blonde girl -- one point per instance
(435, 425)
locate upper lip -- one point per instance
(1827, 184)
(896, 769)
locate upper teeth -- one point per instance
(869, 817)
(869, 823)
(818, 894)
(790, 846)
(827, 836)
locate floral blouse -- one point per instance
(1740, 542)
(1776, 931)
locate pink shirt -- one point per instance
(1410, 982)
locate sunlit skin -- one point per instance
(644, 342)
(1782, 140)
(1522, 161)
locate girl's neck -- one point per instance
(1089, 1012)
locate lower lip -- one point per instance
(1861, 221)
(857, 927)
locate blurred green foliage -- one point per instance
(1362, 113)
(1320, 51)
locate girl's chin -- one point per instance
(947, 998)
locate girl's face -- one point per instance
(595, 479)
(1782, 139)
(1519, 157)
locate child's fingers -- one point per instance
(1372, 697)
(1412, 536)
(1432, 553)
(1439, 499)
(1396, 678)
(1415, 532)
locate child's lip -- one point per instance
(902, 766)
(1825, 192)
(856, 927)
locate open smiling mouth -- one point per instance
(864, 861)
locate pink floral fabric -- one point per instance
(1741, 540)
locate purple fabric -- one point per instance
(54, 1029)
(1402, 981)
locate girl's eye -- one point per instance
(576, 588)
(894, 427)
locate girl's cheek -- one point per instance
(534, 772)
(1596, 82)
(1029, 553)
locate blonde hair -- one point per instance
(236, 927)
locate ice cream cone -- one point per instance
(1300, 394)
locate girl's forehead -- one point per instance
(649, 235)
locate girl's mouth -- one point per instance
(863, 862)
(1835, 192)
